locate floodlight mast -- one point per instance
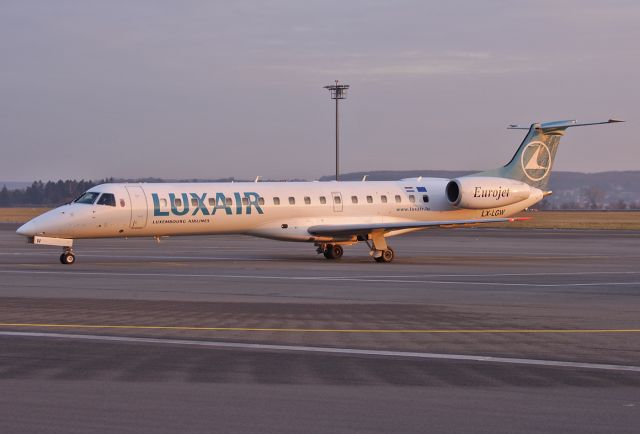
(338, 92)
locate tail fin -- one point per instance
(534, 158)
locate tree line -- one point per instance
(47, 194)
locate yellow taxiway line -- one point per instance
(310, 330)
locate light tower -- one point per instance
(338, 92)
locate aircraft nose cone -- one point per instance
(26, 229)
(53, 223)
(35, 226)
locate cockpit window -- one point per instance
(88, 198)
(107, 199)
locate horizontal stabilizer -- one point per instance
(561, 124)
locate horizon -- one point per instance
(320, 179)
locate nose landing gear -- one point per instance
(67, 257)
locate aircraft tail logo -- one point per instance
(536, 160)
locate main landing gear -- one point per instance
(331, 251)
(67, 257)
(380, 251)
(384, 255)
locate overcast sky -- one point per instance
(205, 89)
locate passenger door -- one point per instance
(138, 202)
(337, 201)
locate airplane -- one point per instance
(329, 214)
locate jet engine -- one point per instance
(481, 192)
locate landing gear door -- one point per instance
(138, 202)
(337, 201)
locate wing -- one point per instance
(367, 228)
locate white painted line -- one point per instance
(373, 279)
(412, 276)
(567, 273)
(289, 251)
(328, 350)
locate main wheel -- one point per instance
(387, 256)
(338, 251)
(333, 251)
(67, 258)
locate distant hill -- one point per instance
(394, 175)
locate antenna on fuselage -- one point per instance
(257, 178)
(364, 178)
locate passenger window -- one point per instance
(292, 200)
(212, 201)
(383, 199)
(425, 198)
(178, 202)
(194, 202)
(261, 201)
(228, 201)
(107, 199)
(323, 200)
(354, 199)
(369, 199)
(276, 201)
(398, 200)
(245, 201)
(307, 200)
(337, 200)
(412, 198)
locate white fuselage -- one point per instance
(278, 210)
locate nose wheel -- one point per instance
(67, 257)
